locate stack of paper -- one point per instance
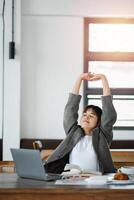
(80, 180)
(71, 169)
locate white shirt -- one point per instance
(83, 154)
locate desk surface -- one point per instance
(14, 188)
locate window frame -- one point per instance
(105, 56)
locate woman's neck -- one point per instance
(87, 131)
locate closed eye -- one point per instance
(92, 115)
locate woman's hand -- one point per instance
(91, 77)
(82, 77)
(96, 77)
(87, 76)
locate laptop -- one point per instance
(28, 164)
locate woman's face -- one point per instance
(89, 119)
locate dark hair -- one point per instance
(96, 109)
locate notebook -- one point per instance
(28, 164)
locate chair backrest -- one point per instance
(37, 145)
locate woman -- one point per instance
(87, 144)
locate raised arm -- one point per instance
(70, 120)
(105, 85)
(92, 77)
(108, 111)
(84, 76)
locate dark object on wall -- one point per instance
(11, 50)
(53, 143)
(122, 144)
(12, 43)
(46, 143)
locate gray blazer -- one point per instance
(101, 137)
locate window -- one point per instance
(109, 49)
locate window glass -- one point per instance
(109, 49)
(111, 37)
(123, 107)
(119, 74)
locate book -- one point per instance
(72, 169)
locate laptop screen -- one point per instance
(28, 163)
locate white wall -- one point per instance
(52, 57)
(10, 83)
(78, 7)
(51, 60)
(1, 69)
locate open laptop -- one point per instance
(28, 164)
